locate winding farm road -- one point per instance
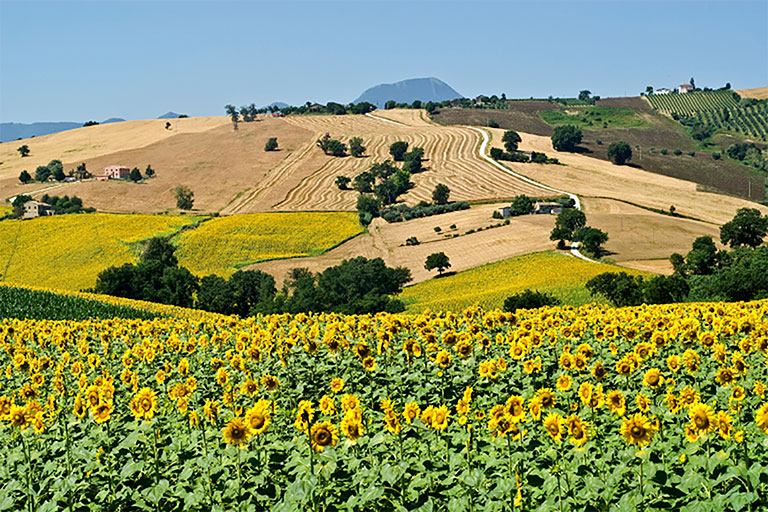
(577, 203)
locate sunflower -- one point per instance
(554, 426)
(79, 409)
(564, 383)
(673, 403)
(257, 418)
(488, 369)
(144, 404)
(211, 410)
(637, 429)
(102, 412)
(725, 376)
(532, 365)
(585, 392)
(93, 396)
(440, 418)
(270, 382)
(462, 406)
(758, 388)
(643, 402)
(250, 387)
(369, 364)
(501, 426)
(392, 422)
(674, 363)
(598, 371)
(443, 358)
(653, 378)
(337, 384)
(688, 396)
(761, 418)
(724, 424)
(236, 432)
(352, 427)
(737, 394)
(222, 377)
(464, 348)
(411, 411)
(18, 417)
(577, 429)
(349, 402)
(546, 398)
(304, 415)
(703, 418)
(625, 367)
(324, 434)
(517, 351)
(691, 434)
(327, 406)
(616, 403)
(515, 408)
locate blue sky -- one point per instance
(74, 61)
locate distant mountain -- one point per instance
(13, 131)
(169, 115)
(408, 91)
(278, 104)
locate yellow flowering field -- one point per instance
(561, 275)
(68, 251)
(224, 244)
(561, 408)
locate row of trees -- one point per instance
(705, 273)
(249, 113)
(356, 286)
(55, 170)
(60, 205)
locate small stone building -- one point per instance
(684, 88)
(34, 209)
(549, 208)
(504, 211)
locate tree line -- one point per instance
(356, 286)
(705, 273)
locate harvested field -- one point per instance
(559, 274)
(305, 180)
(725, 175)
(525, 234)
(759, 93)
(591, 177)
(642, 239)
(217, 164)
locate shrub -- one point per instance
(496, 214)
(397, 150)
(678, 152)
(342, 182)
(438, 229)
(664, 151)
(716, 156)
(599, 142)
(529, 299)
(452, 226)
(691, 153)
(271, 144)
(538, 158)
(412, 241)
(356, 147)
(492, 124)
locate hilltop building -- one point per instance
(548, 208)
(114, 172)
(663, 91)
(684, 88)
(34, 209)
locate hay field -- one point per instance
(223, 245)
(387, 241)
(217, 164)
(87, 143)
(590, 177)
(67, 252)
(305, 180)
(556, 273)
(759, 93)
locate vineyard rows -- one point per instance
(689, 104)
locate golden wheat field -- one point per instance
(561, 275)
(68, 251)
(589, 408)
(222, 245)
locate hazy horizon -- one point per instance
(76, 61)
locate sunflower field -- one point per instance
(555, 409)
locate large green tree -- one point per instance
(398, 149)
(619, 152)
(748, 228)
(441, 194)
(437, 260)
(511, 139)
(566, 137)
(568, 221)
(185, 198)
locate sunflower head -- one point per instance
(324, 435)
(236, 432)
(637, 430)
(703, 418)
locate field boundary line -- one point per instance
(577, 203)
(398, 123)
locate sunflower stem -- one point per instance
(207, 469)
(239, 477)
(24, 448)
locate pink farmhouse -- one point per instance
(113, 172)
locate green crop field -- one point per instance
(692, 102)
(594, 118)
(749, 121)
(558, 274)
